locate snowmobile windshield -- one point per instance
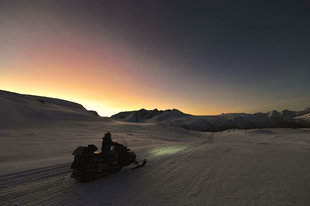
(120, 140)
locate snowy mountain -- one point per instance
(274, 119)
(24, 110)
(19, 110)
(303, 117)
(143, 115)
(184, 167)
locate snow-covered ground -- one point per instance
(233, 167)
(236, 167)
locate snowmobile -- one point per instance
(88, 164)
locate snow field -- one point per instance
(235, 167)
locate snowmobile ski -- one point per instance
(139, 165)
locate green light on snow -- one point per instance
(163, 151)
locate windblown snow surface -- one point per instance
(232, 167)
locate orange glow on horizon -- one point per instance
(104, 73)
(111, 61)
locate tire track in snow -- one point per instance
(171, 170)
(48, 185)
(34, 187)
(34, 174)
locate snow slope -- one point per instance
(20, 110)
(185, 167)
(250, 167)
(304, 118)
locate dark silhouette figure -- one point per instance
(108, 147)
(106, 142)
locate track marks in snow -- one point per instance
(33, 175)
(43, 186)
(228, 168)
(183, 178)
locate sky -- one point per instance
(201, 57)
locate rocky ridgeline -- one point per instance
(273, 119)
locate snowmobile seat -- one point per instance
(85, 151)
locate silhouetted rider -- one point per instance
(108, 147)
(113, 150)
(106, 142)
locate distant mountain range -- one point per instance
(174, 117)
(27, 110)
(149, 115)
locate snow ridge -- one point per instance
(144, 115)
(24, 110)
(273, 119)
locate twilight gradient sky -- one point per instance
(201, 57)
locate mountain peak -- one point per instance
(144, 115)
